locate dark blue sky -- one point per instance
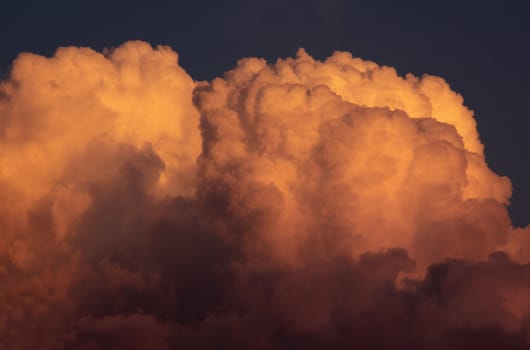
(481, 48)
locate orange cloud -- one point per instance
(300, 204)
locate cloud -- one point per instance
(300, 204)
(349, 169)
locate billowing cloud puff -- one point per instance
(348, 170)
(295, 205)
(53, 108)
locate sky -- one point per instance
(481, 50)
(273, 175)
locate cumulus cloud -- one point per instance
(349, 169)
(300, 204)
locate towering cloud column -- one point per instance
(322, 158)
(297, 205)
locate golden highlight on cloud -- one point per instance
(303, 204)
